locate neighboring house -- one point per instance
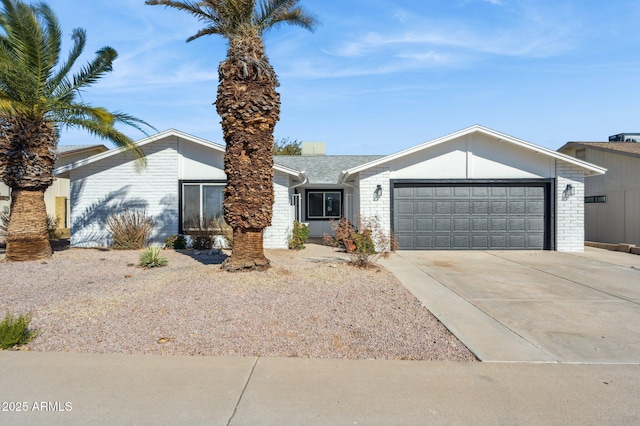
(56, 197)
(612, 201)
(473, 189)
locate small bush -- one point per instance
(15, 331)
(52, 227)
(151, 258)
(363, 247)
(299, 236)
(4, 222)
(203, 232)
(176, 242)
(130, 230)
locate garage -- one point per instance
(507, 215)
(475, 189)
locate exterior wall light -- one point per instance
(569, 191)
(377, 193)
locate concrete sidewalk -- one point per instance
(146, 389)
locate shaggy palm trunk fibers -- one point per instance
(27, 237)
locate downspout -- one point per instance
(304, 181)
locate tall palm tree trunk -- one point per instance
(26, 166)
(250, 107)
(27, 237)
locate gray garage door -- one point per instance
(469, 216)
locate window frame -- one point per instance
(201, 182)
(595, 199)
(323, 192)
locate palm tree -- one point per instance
(38, 96)
(249, 107)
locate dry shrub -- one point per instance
(203, 232)
(364, 246)
(130, 230)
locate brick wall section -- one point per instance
(113, 184)
(277, 235)
(369, 207)
(569, 210)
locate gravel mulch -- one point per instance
(309, 304)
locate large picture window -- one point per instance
(324, 204)
(201, 200)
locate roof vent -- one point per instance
(314, 148)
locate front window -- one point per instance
(201, 200)
(324, 204)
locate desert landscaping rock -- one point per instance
(303, 306)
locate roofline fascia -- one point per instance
(478, 128)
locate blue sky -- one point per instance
(378, 76)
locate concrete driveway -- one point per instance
(542, 306)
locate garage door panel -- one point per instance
(442, 242)
(423, 242)
(517, 207)
(442, 224)
(479, 242)
(462, 207)
(535, 207)
(461, 225)
(534, 224)
(462, 191)
(498, 191)
(443, 207)
(517, 224)
(480, 224)
(470, 216)
(423, 224)
(423, 192)
(498, 207)
(516, 191)
(498, 224)
(461, 242)
(404, 193)
(405, 225)
(405, 207)
(424, 207)
(517, 241)
(444, 192)
(480, 207)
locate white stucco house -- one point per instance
(473, 189)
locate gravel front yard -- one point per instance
(308, 304)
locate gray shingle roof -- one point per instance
(619, 147)
(323, 168)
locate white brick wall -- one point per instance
(277, 235)
(569, 209)
(369, 206)
(115, 183)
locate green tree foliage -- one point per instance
(286, 146)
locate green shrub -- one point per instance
(176, 242)
(130, 230)
(15, 331)
(299, 236)
(151, 258)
